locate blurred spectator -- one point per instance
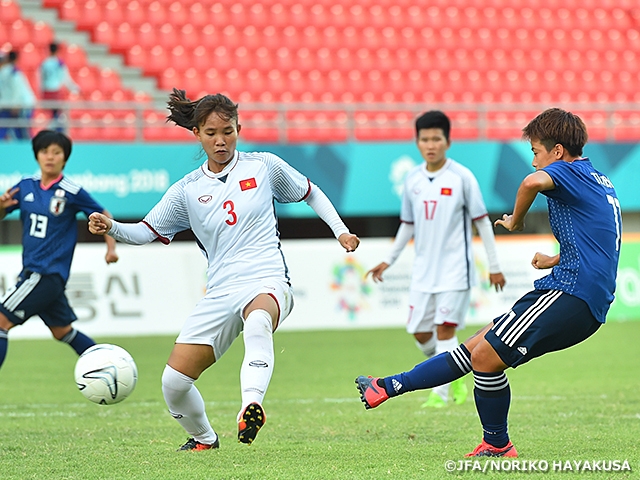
(16, 99)
(54, 77)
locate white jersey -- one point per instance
(232, 215)
(442, 205)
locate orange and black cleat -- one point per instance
(250, 423)
(194, 445)
(371, 393)
(487, 450)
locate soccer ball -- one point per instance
(106, 374)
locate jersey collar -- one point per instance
(225, 171)
(439, 172)
(53, 182)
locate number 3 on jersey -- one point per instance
(38, 226)
(229, 206)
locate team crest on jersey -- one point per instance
(56, 206)
(59, 193)
(205, 198)
(446, 191)
(248, 184)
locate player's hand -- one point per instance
(497, 280)
(541, 261)
(99, 224)
(349, 241)
(111, 257)
(376, 272)
(508, 223)
(7, 200)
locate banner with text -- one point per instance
(152, 289)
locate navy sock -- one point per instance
(4, 344)
(78, 341)
(438, 370)
(493, 397)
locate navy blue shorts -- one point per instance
(41, 295)
(542, 321)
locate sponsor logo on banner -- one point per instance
(351, 284)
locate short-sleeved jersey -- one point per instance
(585, 218)
(49, 230)
(232, 215)
(442, 205)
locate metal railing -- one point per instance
(283, 123)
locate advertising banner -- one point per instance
(361, 179)
(153, 288)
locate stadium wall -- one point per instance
(152, 289)
(362, 179)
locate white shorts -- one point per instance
(444, 308)
(217, 318)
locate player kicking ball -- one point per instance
(565, 308)
(228, 203)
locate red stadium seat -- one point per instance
(134, 13)
(74, 56)
(90, 15)
(9, 11)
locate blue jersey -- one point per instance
(585, 218)
(49, 230)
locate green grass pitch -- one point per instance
(576, 405)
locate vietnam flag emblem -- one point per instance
(445, 191)
(248, 184)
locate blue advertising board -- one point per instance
(362, 179)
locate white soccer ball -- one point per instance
(106, 374)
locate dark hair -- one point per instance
(44, 138)
(190, 115)
(12, 56)
(434, 119)
(53, 47)
(554, 126)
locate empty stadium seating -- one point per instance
(365, 51)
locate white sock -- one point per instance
(441, 347)
(428, 347)
(186, 405)
(257, 366)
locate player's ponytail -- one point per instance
(181, 109)
(187, 114)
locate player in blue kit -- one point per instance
(566, 307)
(48, 204)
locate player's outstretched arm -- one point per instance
(99, 223)
(376, 272)
(349, 241)
(111, 255)
(539, 181)
(323, 207)
(7, 200)
(541, 261)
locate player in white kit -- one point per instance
(440, 201)
(228, 203)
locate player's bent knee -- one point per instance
(485, 359)
(423, 337)
(60, 332)
(174, 381)
(5, 324)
